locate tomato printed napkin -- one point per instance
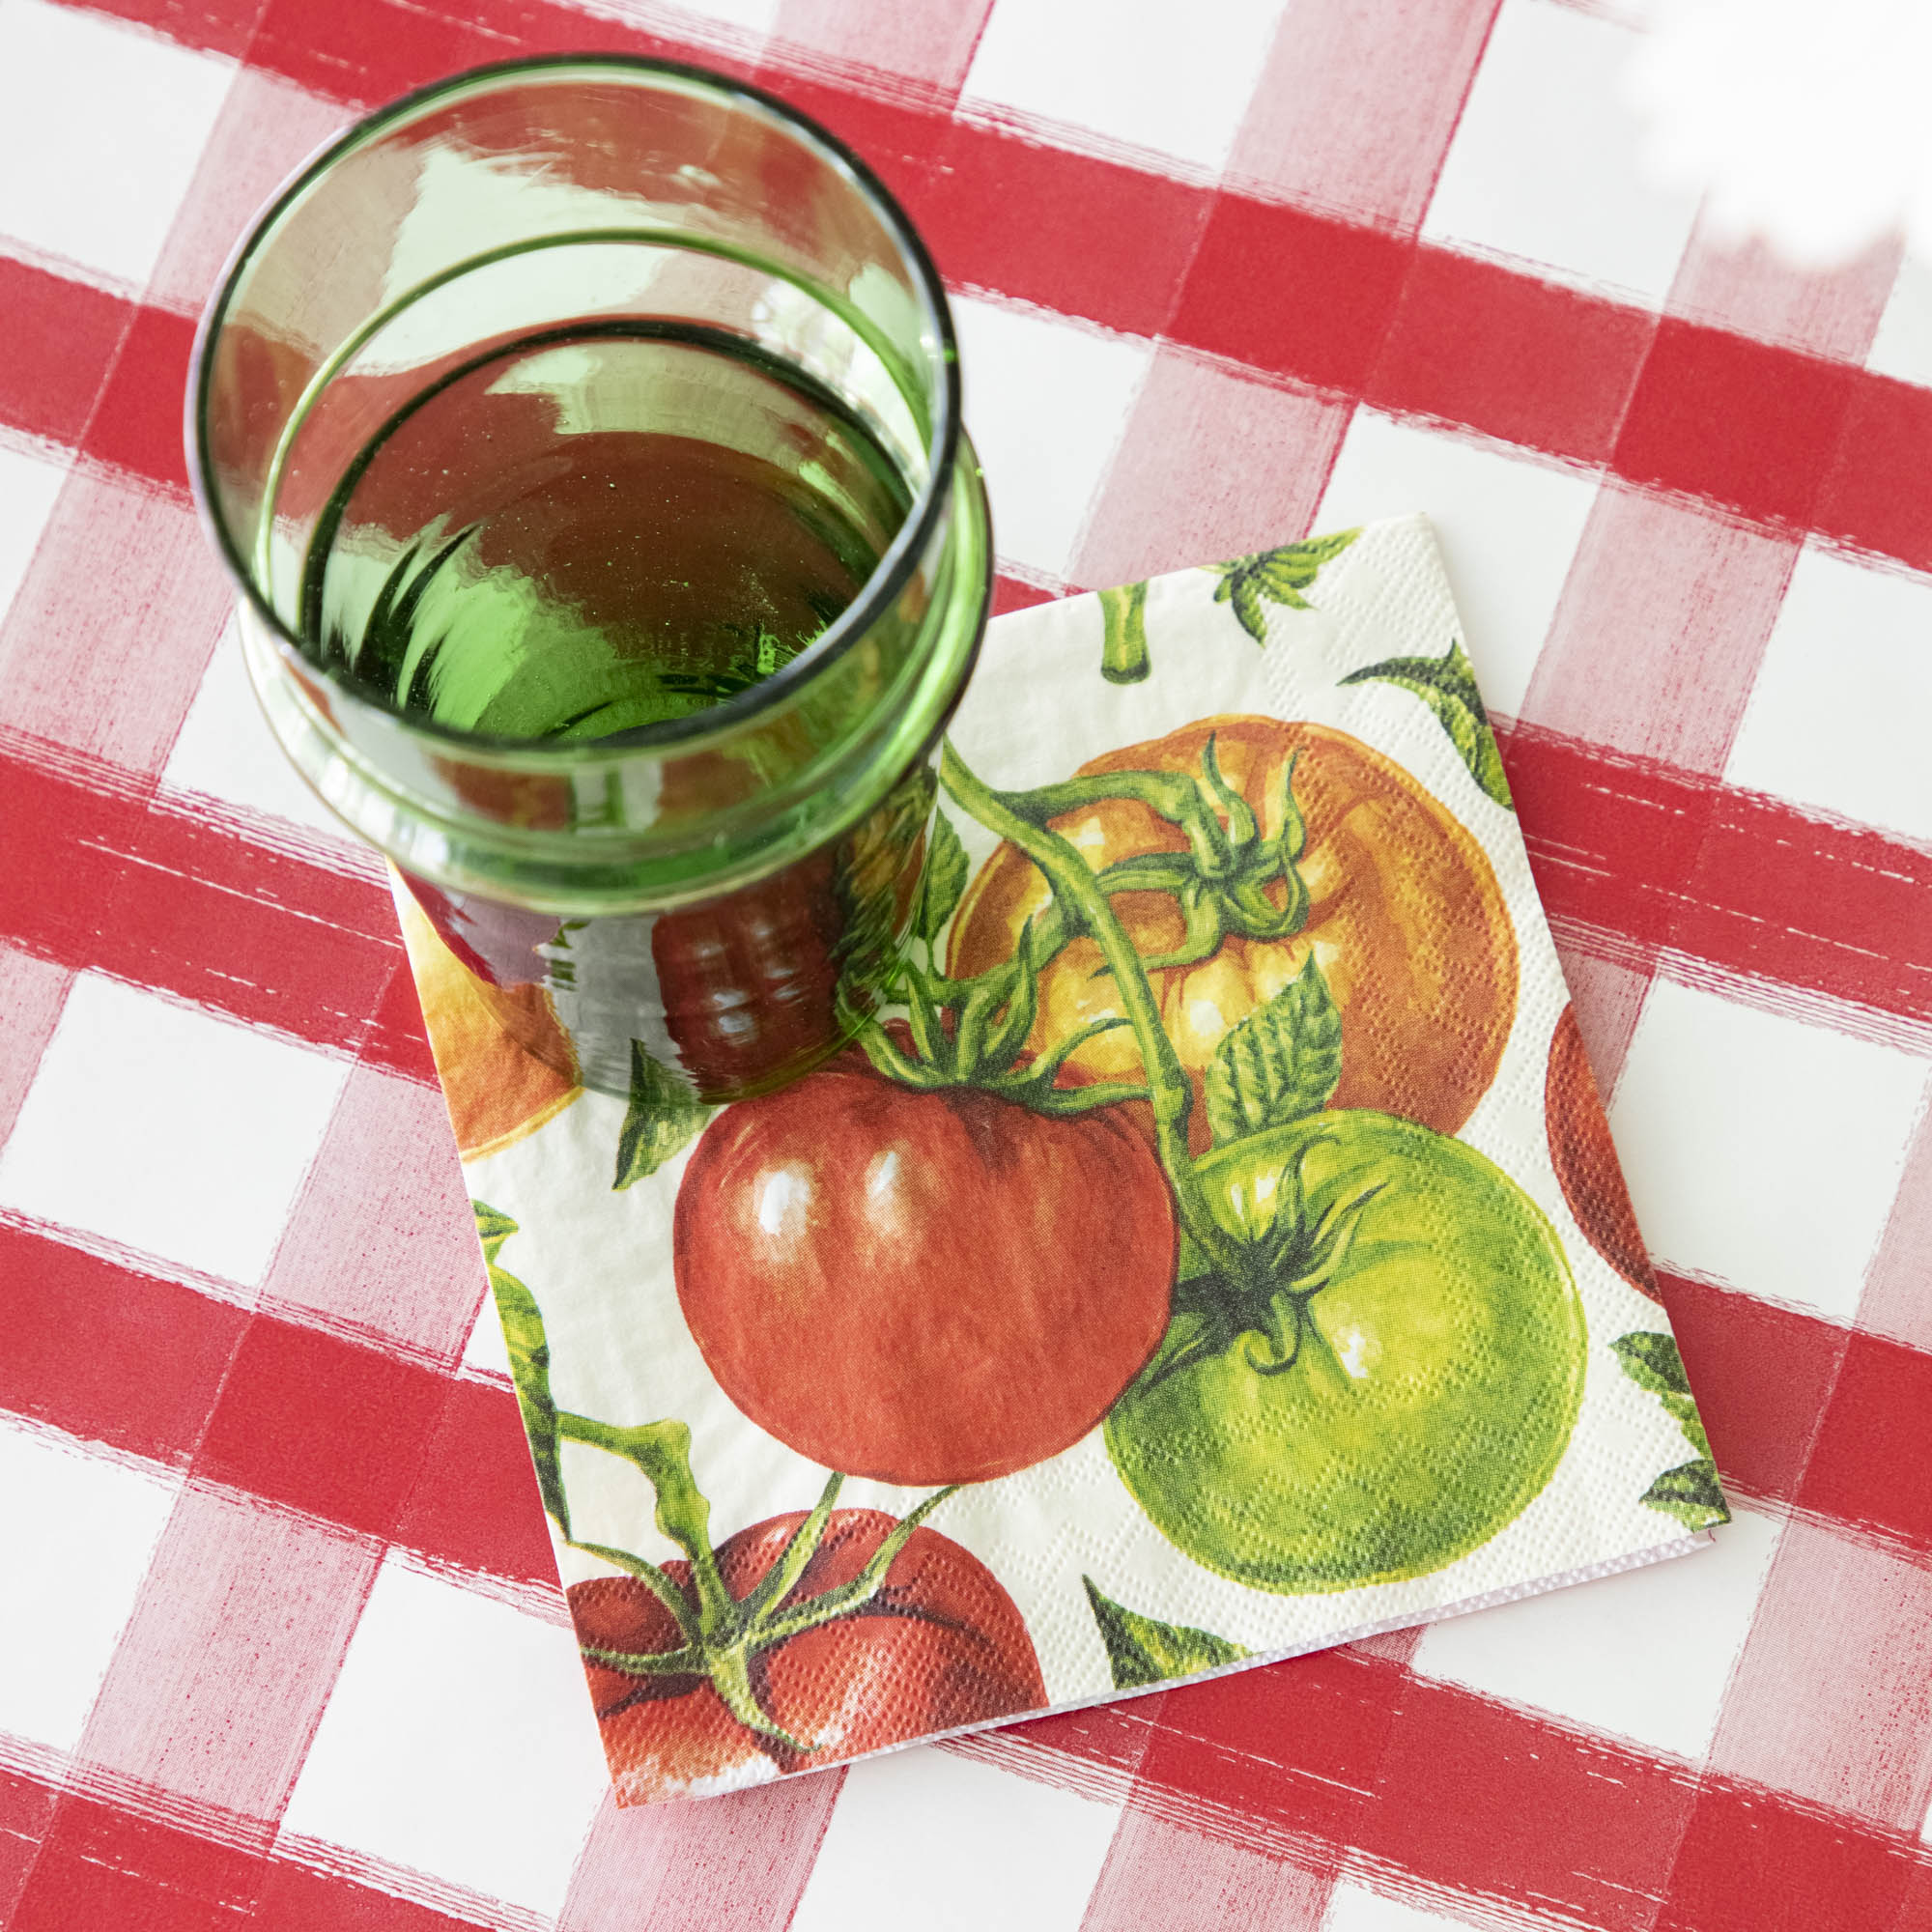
(1218, 1254)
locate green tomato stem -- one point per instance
(928, 1034)
(652, 1577)
(731, 1674)
(687, 1660)
(778, 1579)
(1123, 646)
(1082, 897)
(860, 1591)
(1174, 796)
(972, 1031)
(1220, 883)
(1064, 1103)
(662, 1450)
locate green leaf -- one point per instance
(1651, 1360)
(664, 1118)
(528, 1349)
(1287, 572)
(1282, 1062)
(1283, 589)
(1448, 687)
(943, 880)
(1683, 1410)
(1312, 552)
(1691, 1493)
(1247, 604)
(493, 1229)
(1278, 575)
(1143, 1651)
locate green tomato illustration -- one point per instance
(1392, 1381)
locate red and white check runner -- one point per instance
(280, 1641)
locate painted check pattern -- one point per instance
(284, 1645)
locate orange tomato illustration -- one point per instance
(1406, 922)
(497, 1088)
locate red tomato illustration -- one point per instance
(922, 1286)
(940, 1645)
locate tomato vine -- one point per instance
(723, 1634)
(1222, 883)
(1081, 897)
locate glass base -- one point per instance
(733, 995)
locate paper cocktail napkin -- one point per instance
(1301, 1301)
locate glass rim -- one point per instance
(881, 588)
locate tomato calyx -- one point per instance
(721, 1635)
(1223, 883)
(1282, 1256)
(1282, 1248)
(973, 1033)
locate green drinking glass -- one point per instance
(583, 435)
